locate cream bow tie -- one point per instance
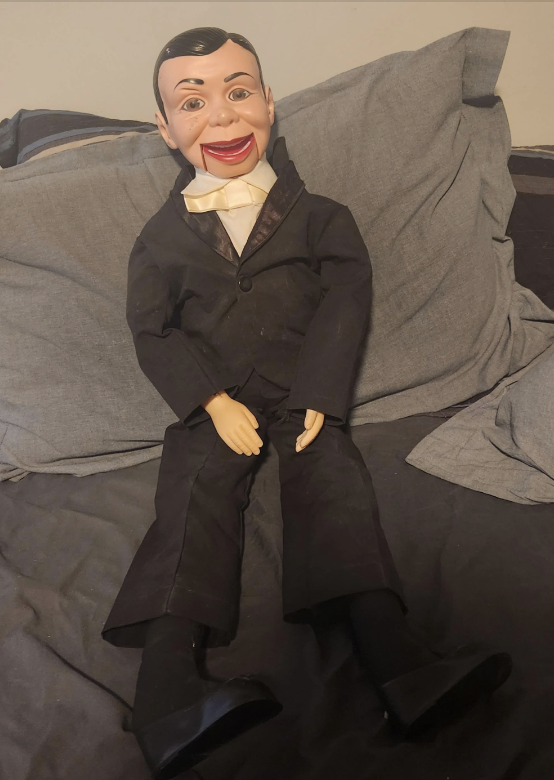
(233, 195)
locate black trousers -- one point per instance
(189, 561)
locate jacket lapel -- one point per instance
(207, 225)
(281, 198)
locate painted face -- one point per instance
(217, 113)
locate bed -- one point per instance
(81, 430)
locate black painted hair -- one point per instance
(199, 41)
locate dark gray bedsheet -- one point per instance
(474, 567)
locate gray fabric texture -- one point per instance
(423, 172)
(72, 396)
(504, 443)
(474, 568)
(422, 147)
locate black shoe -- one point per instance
(435, 693)
(180, 740)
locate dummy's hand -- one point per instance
(313, 423)
(235, 424)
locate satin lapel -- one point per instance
(209, 228)
(280, 200)
(207, 225)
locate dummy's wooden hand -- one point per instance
(235, 423)
(313, 423)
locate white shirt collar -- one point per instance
(262, 176)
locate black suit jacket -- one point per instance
(294, 306)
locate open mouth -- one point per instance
(235, 150)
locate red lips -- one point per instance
(232, 151)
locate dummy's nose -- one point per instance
(223, 116)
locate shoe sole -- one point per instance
(482, 680)
(232, 709)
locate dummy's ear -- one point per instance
(164, 132)
(270, 104)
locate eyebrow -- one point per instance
(189, 81)
(234, 75)
(201, 81)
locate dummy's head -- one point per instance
(213, 105)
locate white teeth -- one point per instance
(230, 154)
(225, 145)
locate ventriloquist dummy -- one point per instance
(248, 301)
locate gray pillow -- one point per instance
(417, 146)
(42, 132)
(72, 396)
(425, 175)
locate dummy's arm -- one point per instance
(332, 345)
(328, 360)
(182, 375)
(179, 372)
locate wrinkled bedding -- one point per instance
(503, 444)
(474, 568)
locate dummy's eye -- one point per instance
(239, 94)
(194, 104)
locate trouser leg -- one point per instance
(207, 580)
(333, 544)
(179, 718)
(336, 562)
(386, 644)
(189, 561)
(168, 678)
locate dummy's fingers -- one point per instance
(304, 439)
(308, 436)
(251, 417)
(317, 425)
(231, 444)
(241, 441)
(251, 436)
(250, 429)
(319, 420)
(235, 443)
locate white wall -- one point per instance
(98, 57)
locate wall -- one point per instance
(98, 57)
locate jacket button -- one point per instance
(245, 283)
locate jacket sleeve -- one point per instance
(332, 346)
(178, 370)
